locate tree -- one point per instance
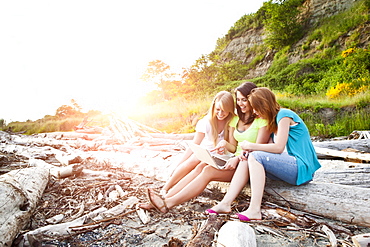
(2, 123)
(159, 73)
(282, 22)
(73, 110)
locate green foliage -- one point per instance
(282, 22)
(346, 118)
(343, 125)
(2, 123)
(66, 111)
(244, 23)
(351, 73)
(335, 26)
(42, 126)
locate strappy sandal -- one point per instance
(163, 208)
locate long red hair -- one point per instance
(263, 101)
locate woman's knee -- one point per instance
(199, 168)
(252, 160)
(191, 163)
(208, 171)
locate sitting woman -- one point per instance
(210, 130)
(246, 127)
(290, 158)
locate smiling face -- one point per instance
(242, 102)
(219, 112)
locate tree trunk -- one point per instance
(20, 191)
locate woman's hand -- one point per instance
(220, 148)
(244, 156)
(245, 145)
(232, 163)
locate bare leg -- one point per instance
(186, 180)
(257, 181)
(181, 171)
(238, 182)
(197, 185)
(178, 186)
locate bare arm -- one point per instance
(198, 138)
(230, 146)
(263, 135)
(280, 141)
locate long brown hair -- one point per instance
(227, 104)
(264, 102)
(245, 89)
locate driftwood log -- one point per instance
(205, 234)
(359, 144)
(340, 191)
(346, 154)
(20, 191)
(340, 202)
(357, 150)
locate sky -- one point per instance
(96, 51)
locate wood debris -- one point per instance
(94, 183)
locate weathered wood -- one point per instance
(353, 156)
(339, 202)
(234, 233)
(20, 191)
(346, 173)
(362, 240)
(206, 233)
(64, 229)
(340, 191)
(70, 135)
(359, 144)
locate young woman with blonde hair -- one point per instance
(210, 130)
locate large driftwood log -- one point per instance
(20, 191)
(340, 191)
(345, 173)
(352, 156)
(234, 233)
(339, 202)
(359, 144)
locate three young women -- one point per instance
(245, 127)
(291, 156)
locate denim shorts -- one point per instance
(282, 167)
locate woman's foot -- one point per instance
(163, 192)
(157, 202)
(219, 209)
(146, 206)
(247, 215)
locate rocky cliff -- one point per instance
(315, 11)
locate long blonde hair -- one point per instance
(227, 104)
(263, 101)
